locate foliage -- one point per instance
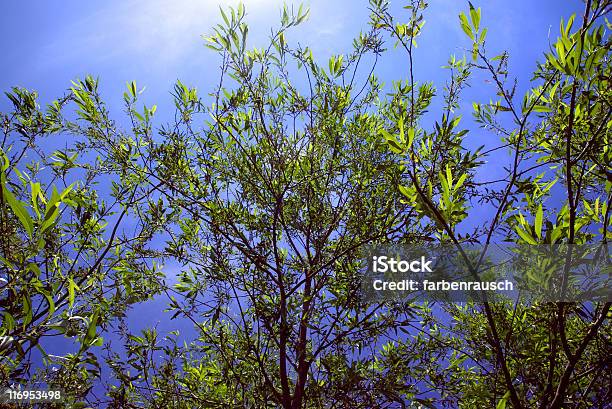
(68, 267)
(557, 134)
(267, 199)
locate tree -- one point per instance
(269, 198)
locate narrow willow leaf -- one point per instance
(395, 146)
(403, 190)
(91, 329)
(449, 176)
(132, 88)
(475, 16)
(538, 221)
(410, 137)
(460, 182)
(525, 236)
(19, 210)
(503, 401)
(445, 191)
(483, 35)
(36, 193)
(26, 309)
(392, 142)
(72, 289)
(224, 15)
(542, 108)
(8, 322)
(465, 26)
(50, 303)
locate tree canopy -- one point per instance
(266, 193)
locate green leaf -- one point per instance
(538, 221)
(542, 108)
(52, 210)
(331, 64)
(18, 209)
(66, 191)
(570, 22)
(5, 162)
(395, 147)
(483, 35)
(50, 302)
(26, 309)
(465, 25)
(33, 267)
(90, 336)
(410, 137)
(224, 15)
(392, 142)
(72, 288)
(445, 191)
(52, 204)
(132, 88)
(8, 321)
(475, 16)
(460, 182)
(525, 236)
(403, 190)
(36, 193)
(503, 401)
